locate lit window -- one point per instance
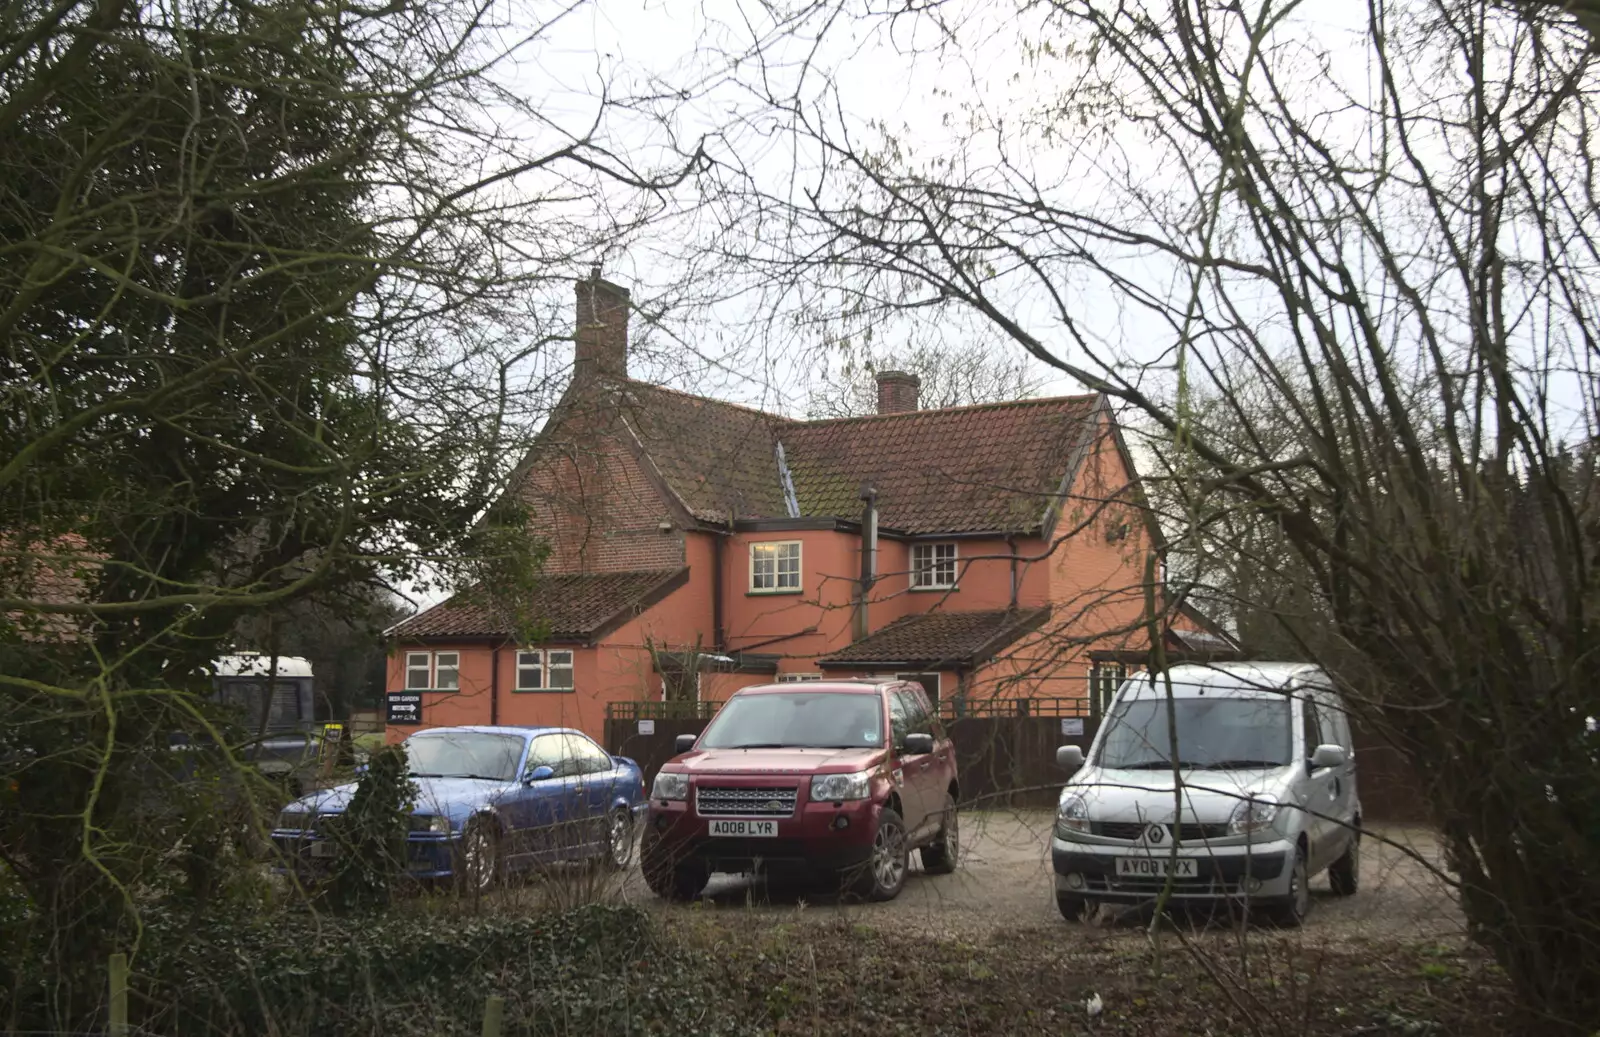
(419, 672)
(560, 666)
(447, 670)
(775, 567)
(933, 566)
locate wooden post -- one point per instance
(494, 1010)
(118, 971)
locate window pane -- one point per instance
(417, 670)
(546, 751)
(933, 565)
(763, 566)
(592, 759)
(447, 670)
(789, 566)
(560, 669)
(530, 671)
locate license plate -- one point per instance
(757, 829)
(324, 848)
(1157, 867)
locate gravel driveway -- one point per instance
(1004, 884)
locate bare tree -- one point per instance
(947, 376)
(1383, 231)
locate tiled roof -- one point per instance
(962, 469)
(718, 457)
(576, 606)
(940, 638)
(991, 467)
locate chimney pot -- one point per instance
(897, 391)
(600, 340)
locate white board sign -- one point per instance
(1072, 726)
(647, 727)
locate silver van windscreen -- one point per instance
(1217, 733)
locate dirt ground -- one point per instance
(1004, 883)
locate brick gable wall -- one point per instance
(593, 501)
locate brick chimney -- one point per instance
(600, 345)
(897, 391)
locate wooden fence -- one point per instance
(1005, 750)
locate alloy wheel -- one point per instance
(889, 857)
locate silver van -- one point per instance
(1263, 795)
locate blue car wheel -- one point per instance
(478, 861)
(619, 839)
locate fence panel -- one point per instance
(1011, 760)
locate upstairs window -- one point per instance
(775, 568)
(933, 566)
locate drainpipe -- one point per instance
(1011, 545)
(869, 557)
(494, 685)
(719, 636)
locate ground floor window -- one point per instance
(929, 682)
(547, 669)
(1104, 680)
(790, 678)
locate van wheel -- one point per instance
(1344, 874)
(1292, 911)
(940, 857)
(884, 873)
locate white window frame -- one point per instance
(548, 664)
(1105, 680)
(426, 669)
(552, 668)
(795, 678)
(440, 668)
(778, 574)
(926, 575)
(529, 659)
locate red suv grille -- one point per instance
(744, 801)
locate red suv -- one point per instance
(839, 778)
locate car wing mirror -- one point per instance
(540, 773)
(685, 743)
(918, 745)
(1328, 756)
(1069, 757)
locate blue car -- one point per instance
(492, 800)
